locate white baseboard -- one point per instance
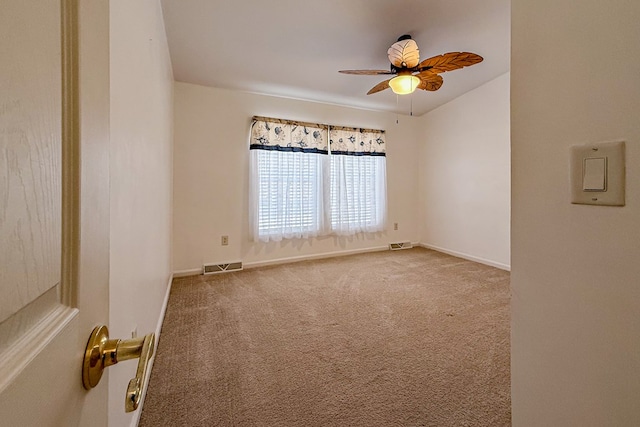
(163, 310)
(312, 257)
(197, 271)
(189, 272)
(467, 256)
(286, 260)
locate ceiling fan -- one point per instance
(410, 73)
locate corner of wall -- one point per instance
(465, 173)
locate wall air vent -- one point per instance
(221, 268)
(401, 245)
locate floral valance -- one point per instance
(359, 142)
(287, 135)
(284, 135)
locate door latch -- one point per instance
(102, 352)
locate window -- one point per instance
(289, 194)
(302, 186)
(358, 181)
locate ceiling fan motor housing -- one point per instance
(404, 54)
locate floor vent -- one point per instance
(221, 268)
(401, 245)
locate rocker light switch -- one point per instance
(594, 173)
(598, 174)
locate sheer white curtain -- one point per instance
(287, 194)
(288, 167)
(358, 191)
(358, 196)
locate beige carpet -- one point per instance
(394, 338)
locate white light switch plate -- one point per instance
(584, 175)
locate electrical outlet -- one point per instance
(395, 225)
(225, 240)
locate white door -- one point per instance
(54, 207)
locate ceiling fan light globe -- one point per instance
(404, 85)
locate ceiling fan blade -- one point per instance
(429, 81)
(379, 87)
(366, 72)
(449, 61)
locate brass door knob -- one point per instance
(102, 352)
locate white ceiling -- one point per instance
(294, 48)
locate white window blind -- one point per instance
(290, 196)
(357, 194)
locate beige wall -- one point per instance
(211, 171)
(464, 176)
(575, 268)
(141, 180)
